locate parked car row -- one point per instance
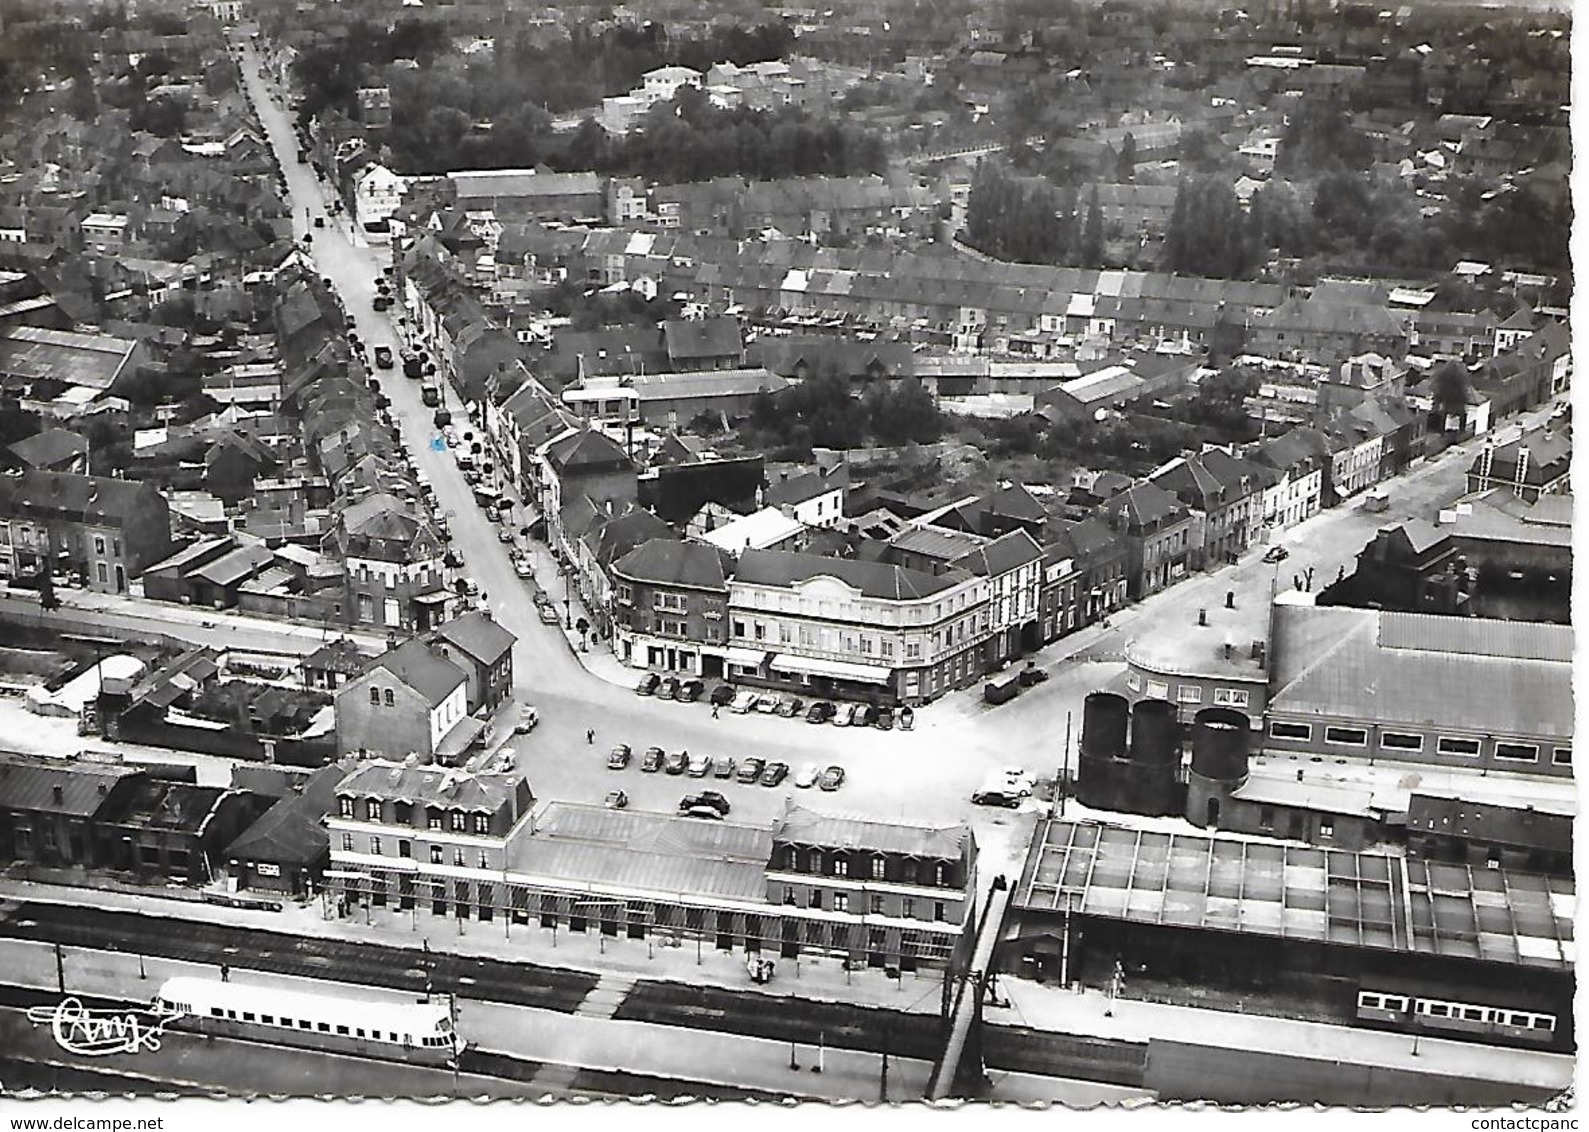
(670, 688)
(743, 701)
(1009, 788)
(748, 770)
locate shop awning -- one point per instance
(838, 669)
(750, 658)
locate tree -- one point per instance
(902, 413)
(1449, 391)
(1126, 161)
(1092, 233)
(1208, 235)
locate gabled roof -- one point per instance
(90, 360)
(669, 562)
(586, 449)
(784, 568)
(29, 783)
(292, 832)
(1005, 553)
(52, 446)
(478, 636)
(799, 489)
(433, 676)
(1144, 505)
(688, 340)
(800, 826)
(91, 499)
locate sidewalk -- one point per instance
(596, 657)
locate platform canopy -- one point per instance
(1324, 895)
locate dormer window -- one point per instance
(372, 810)
(347, 807)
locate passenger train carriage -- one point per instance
(418, 1032)
(1505, 1018)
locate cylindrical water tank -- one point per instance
(1155, 732)
(1103, 725)
(1220, 738)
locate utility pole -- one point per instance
(1062, 787)
(882, 1090)
(60, 969)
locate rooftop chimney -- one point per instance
(58, 792)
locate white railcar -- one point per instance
(419, 1032)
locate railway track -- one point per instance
(517, 984)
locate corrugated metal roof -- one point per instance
(1334, 896)
(1339, 667)
(1522, 640)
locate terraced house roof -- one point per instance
(786, 569)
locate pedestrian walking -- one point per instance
(590, 736)
(714, 711)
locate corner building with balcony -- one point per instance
(835, 627)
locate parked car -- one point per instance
(789, 706)
(708, 798)
(996, 796)
(745, 701)
(832, 778)
(706, 812)
(690, 691)
(841, 714)
(383, 357)
(995, 694)
(862, 715)
(807, 776)
(528, 718)
(700, 766)
(774, 774)
(676, 762)
(767, 702)
(1020, 780)
(651, 761)
(648, 682)
(885, 719)
(616, 800)
(820, 712)
(505, 535)
(1276, 554)
(523, 568)
(548, 616)
(722, 695)
(619, 758)
(669, 688)
(382, 302)
(750, 768)
(1032, 674)
(723, 767)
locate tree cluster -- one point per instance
(1320, 137)
(1208, 235)
(822, 412)
(1024, 219)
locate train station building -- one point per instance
(437, 842)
